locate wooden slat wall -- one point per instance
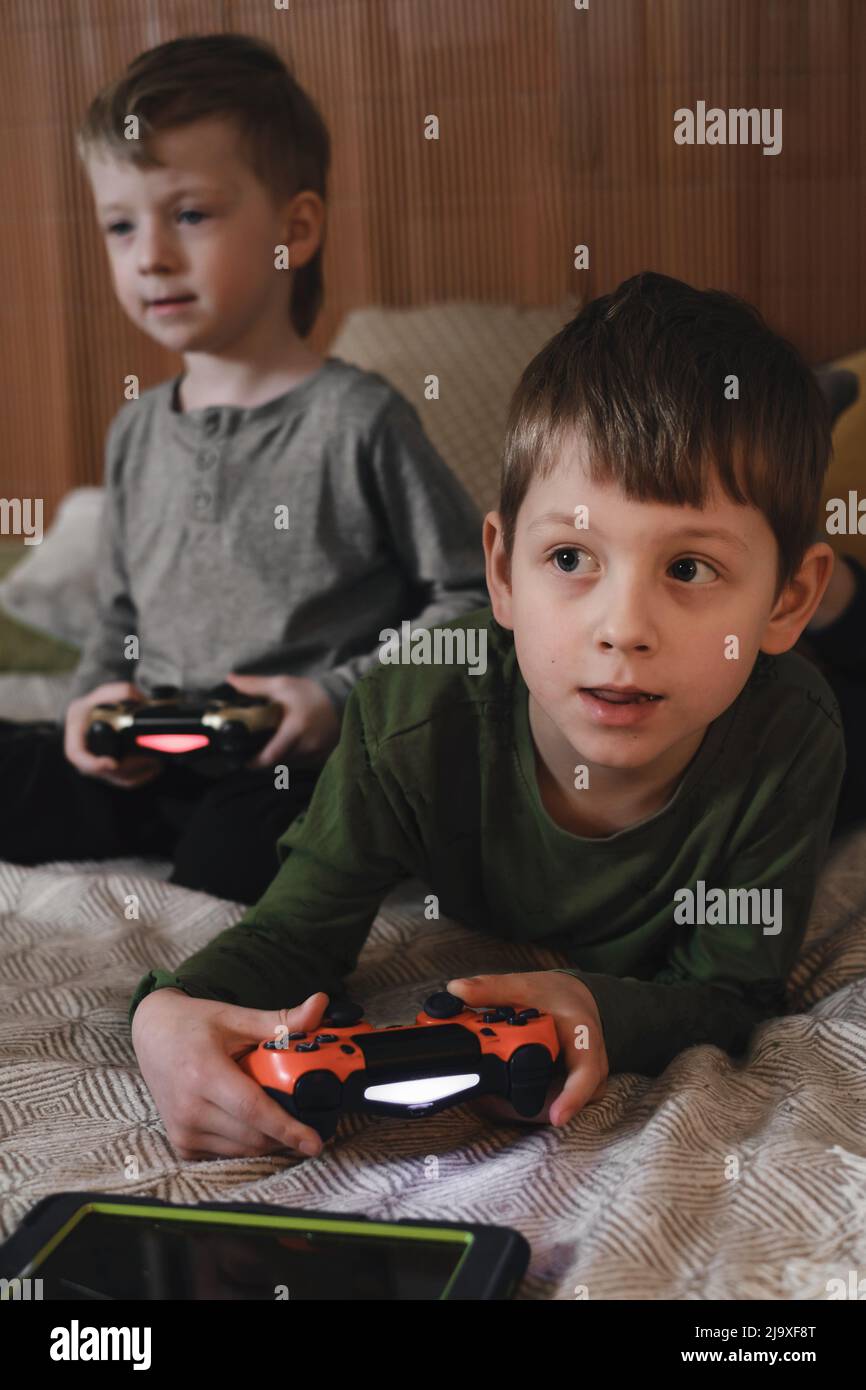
(556, 128)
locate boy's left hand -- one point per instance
(572, 1006)
(310, 727)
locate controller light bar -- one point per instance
(172, 743)
(423, 1090)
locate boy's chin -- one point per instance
(611, 747)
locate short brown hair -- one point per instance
(284, 136)
(642, 373)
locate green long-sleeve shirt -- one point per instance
(434, 778)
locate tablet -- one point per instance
(97, 1246)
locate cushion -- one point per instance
(848, 466)
(53, 588)
(21, 647)
(478, 352)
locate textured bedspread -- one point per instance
(717, 1180)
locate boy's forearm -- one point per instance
(647, 1024)
(444, 607)
(245, 983)
(271, 960)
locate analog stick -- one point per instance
(443, 1005)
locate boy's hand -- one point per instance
(310, 726)
(188, 1051)
(573, 1007)
(129, 772)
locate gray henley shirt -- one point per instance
(198, 563)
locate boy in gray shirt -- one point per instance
(268, 512)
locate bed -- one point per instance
(721, 1179)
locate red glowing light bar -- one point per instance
(172, 743)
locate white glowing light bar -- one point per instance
(423, 1090)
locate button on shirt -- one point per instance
(276, 539)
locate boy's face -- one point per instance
(645, 597)
(203, 227)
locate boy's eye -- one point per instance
(572, 555)
(122, 226)
(688, 567)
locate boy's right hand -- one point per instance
(188, 1050)
(125, 772)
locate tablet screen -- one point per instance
(126, 1252)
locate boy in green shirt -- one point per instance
(640, 774)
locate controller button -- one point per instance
(517, 1022)
(443, 1005)
(345, 1047)
(326, 1037)
(269, 1045)
(529, 1013)
(294, 1036)
(307, 1047)
(343, 1014)
(488, 1032)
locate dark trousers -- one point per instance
(221, 834)
(839, 651)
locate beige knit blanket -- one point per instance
(717, 1180)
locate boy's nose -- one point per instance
(154, 251)
(625, 620)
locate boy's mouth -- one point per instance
(175, 299)
(620, 695)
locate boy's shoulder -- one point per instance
(790, 685)
(429, 679)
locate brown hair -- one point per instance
(284, 136)
(641, 373)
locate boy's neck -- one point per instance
(616, 798)
(209, 380)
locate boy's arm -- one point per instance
(103, 657)
(429, 523)
(340, 858)
(722, 980)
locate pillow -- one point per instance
(21, 648)
(477, 351)
(848, 464)
(53, 589)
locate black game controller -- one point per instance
(189, 725)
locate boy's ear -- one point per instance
(798, 600)
(497, 569)
(304, 227)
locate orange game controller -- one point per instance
(450, 1055)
